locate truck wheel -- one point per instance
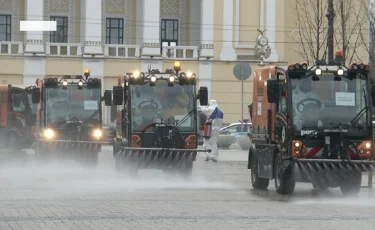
(257, 182)
(352, 186)
(284, 178)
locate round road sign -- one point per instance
(242, 71)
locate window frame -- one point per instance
(163, 32)
(8, 27)
(54, 36)
(119, 27)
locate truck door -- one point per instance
(17, 118)
(281, 122)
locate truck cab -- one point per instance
(312, 124)
(157, 120)
(69, 117)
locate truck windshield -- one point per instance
(72, 104)
(153, 104)
(326, 103)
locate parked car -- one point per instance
(235, 129)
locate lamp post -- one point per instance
(262, 49)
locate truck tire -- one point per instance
(352, 186)
(257, 182)
(284, 178)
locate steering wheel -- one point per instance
(60, 105)
(151, 104)
(303, 102)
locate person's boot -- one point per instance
(214, 160)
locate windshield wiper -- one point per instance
(184, 119)
(90, 117)
(358, 116)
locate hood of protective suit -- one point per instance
(213, 104)
(209, 109)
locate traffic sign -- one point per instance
(242, 71)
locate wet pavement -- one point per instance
(64, 195)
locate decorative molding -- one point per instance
(118, 9)
(34, 41)
(237, 30)
(170, 8)
(92, 43)
(6, 5)
(206, 46)
(150, 45)
(12, 7)
(64, 8)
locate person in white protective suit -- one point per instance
(217, 117)
(304, 91)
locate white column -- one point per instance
(227, 52)
(207, 29)
(92, 19)
(205, 76)
(271, 27)
(151, 28)
(34, 39)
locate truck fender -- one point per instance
(251, 152)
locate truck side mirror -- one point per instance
(17, 100)
(35, 95)
(203, 96)
(107, 97)
(118, 95)
(373, 95)
(273, 90)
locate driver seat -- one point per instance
(310, 114)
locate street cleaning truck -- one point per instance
(312, 124)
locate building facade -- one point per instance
(112, 37)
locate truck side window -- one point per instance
(282, 105)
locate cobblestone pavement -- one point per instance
(66, 196)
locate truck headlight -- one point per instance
(49, 133)
(97, 133)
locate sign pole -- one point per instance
(242, 77)
(242, 71)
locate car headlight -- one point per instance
(97, 133)
(49, 133)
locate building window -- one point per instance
(5, 27)
(114, 31)
(61, 33)
(169, 32)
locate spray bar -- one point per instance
(336, 161)
(72, 141)
(166, 149)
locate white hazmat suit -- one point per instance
(217, 120)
